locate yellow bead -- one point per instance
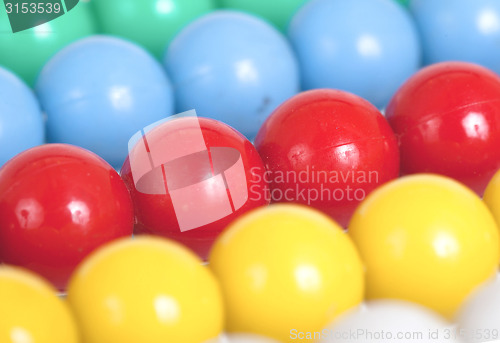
(492, 196)
(285, 268)
(31, 312)
(426, 239)
(146, 290)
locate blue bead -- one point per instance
(367, 47)
(459, 30)
(232, 67)
(21, 121)
(99, 91)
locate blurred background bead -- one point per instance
(278, 12)
(367, 47)
(478, 318)
(389, 320)
(150, 23)
(232, 67)
(100, 91)
(27, 51)
(21, 121)
(459, 30)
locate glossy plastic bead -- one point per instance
(150, 23)
(382, 321)
(367, 47)
(145, 290)
(278, 12)
(26, 52)
(101, 90)
(447, 120)
(459, 30)
(327, 149)
(30, 310)
(232, 67)
(190, 177)
(57, 204)
(21, 121)
(286, 267)
(426, 239)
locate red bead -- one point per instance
(57, 204)
(447, 120)
(190, 178)
(328, 149)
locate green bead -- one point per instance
(151, 23)
(405, 3)
(27, 51)
(278, 12)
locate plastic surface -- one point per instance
(286, 267)
(242, 338)
(151, 23)
(492, 197)
(31, 311)
(26, 52)
(477, 319)
(99, 91)
(21, 121)
(205, 174)
(447, 119)
(57, 204)
(232, 67)
(459, 30)
(405, 3)
(328, 149)
(145, 290)
(367, 47)
(389, 320)
(278, 12)
(426, 239)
